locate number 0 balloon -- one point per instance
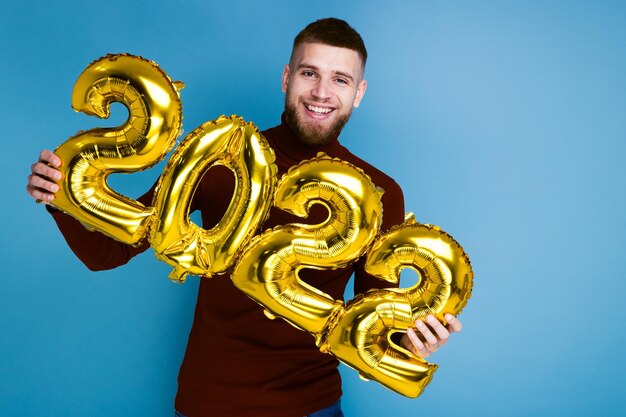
(175, 239)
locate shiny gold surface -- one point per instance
(266, 266)
(361, 336)
(268, 269)
(88, 158)
(238, 145)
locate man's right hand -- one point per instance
(41, 182)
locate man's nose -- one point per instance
(321, 89)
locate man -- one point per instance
(238, 363)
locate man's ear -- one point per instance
(286, 73)
(360, 91)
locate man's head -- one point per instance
(332, 32)
(323, 80)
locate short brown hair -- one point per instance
(334, 32)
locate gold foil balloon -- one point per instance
(361, 337)
(266, 266)
(175, 239)
(268, 269)
(88, 158)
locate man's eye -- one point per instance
(342, 81)
(308, 74)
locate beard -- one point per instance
(313, 134)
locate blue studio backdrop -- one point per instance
(504, 123)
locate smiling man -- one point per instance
(322, 84)
(238, 363)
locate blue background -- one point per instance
(504, 122)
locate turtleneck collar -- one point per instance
(284, 141)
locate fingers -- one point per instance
(46, 165)
(426, 331)
(40, 170)
(49, 158)
(38, 195)
(454, 324)
(41, 182)
(430, 335)
(416, 345)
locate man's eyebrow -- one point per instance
(345, 75)
(314, 68)
(308, 66)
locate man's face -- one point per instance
(322, 84)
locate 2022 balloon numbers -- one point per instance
(265, 266)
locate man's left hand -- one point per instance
(427, 339)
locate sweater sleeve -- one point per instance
(96, 250)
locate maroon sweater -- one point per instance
(239, 363)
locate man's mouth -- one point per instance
(320, 111)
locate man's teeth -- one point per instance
(319, 110)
